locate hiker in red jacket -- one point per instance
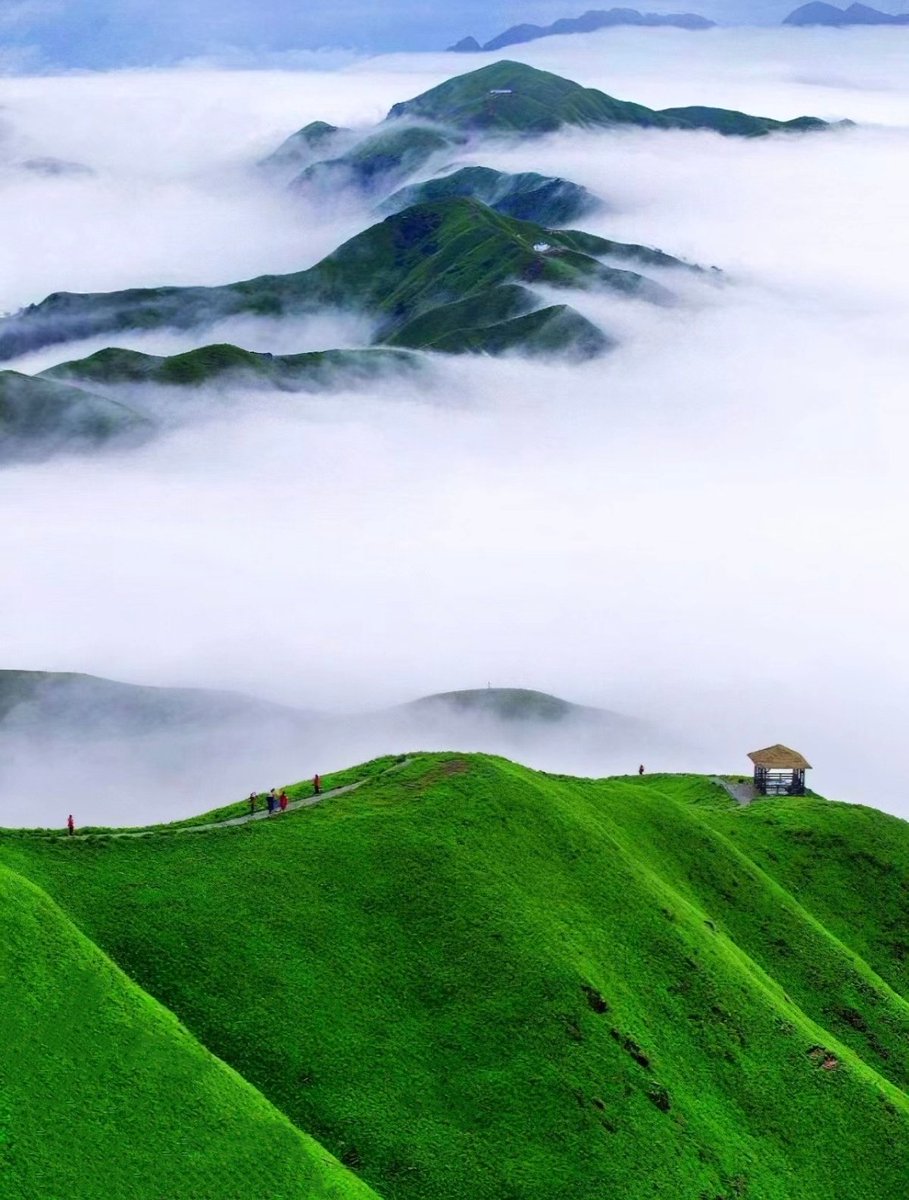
(282, 801)
(70, 825)
(317, 785)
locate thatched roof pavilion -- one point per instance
(779, 771)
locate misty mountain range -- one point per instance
(454, 270)
(589, 22)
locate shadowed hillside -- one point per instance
(469, 979)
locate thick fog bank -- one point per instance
(703, 529)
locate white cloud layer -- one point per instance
(706, 528)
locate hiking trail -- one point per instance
(260, 815)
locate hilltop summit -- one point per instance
(512, 97)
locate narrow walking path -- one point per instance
(262, 815)
(741, 793)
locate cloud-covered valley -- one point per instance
(703, 529)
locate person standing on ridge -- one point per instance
(282, 800)
(641, 769)
(70, 825)
(252, 803)
(272, 801)
(317, 785)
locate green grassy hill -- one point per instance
(428, 255)
(467, 978)
(514, 98)
(103, 1092)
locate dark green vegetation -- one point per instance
(313, 372)
(528, 196)
(39, 417)
(470, 979)
(428, 255)
(381, 161)
(587, 23)
(510, 97)
(103, 1092)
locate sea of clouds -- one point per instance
(704, 530)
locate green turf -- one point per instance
(500, 984)
(104, 1093)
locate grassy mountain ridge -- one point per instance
(511, 97)
(427, 255)
(315, 371)
(507, 984)
(102, 1090)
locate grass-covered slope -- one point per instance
(428, 255)
(38, 417)
(513, 98)
(528, 196)
(103, 1092)
(470, 979)
(312, 372)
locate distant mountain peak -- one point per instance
(467, 45)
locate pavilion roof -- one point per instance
(779, 758)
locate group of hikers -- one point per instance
(276, 801)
